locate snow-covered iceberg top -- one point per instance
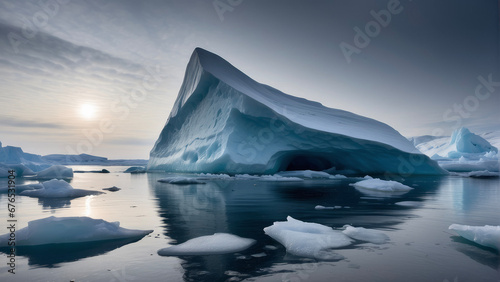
(57, 189)
(488, 236)
(218, 243)
(60, 230)
(225, 122)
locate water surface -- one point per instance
(421, 246)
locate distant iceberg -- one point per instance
(225, 122)
(464, 151)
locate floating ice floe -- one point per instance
(218, 243)
(381, 185)
(307, 239)
(181, 180)
(310, 174)
(55, 171)
(367, 235)
(319, 207)
(57, 189)
(61, 230)
(488, 236)
(413, 204)
(477, 174)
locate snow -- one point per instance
(305, 239)
(58, 189)
(55, 171)
(218, 243)
(225, 122)
(381, 185)
(488, 236)
(59, 230)
(367, 235)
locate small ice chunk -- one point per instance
(305, 174)
(55, 171)
(59, 230)
(208, 176)
(218, 243)
(381, 185)
(135, 169)
(112, 189)
(488, 236)
(413, 204)
(259, 255)
(58, 189)
(368, 235)
(305, 239)
(319, 207)
(270, 247)
(181, 180)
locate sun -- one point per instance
(88, 111)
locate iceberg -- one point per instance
(57, 189)
(21, 188)
(367, 235)
(62, 230)
(55, 171)
(225, 122)
(306, 239)
(218, 243)
(488, 236)
(464, 151)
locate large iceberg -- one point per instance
(225, 122)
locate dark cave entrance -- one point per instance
(308, 162)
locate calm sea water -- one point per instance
(421, 247)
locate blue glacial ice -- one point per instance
(225, 122)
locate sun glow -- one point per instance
(88, 111)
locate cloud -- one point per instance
(18, 122)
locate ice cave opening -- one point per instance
(302, 161)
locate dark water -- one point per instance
(421, 247)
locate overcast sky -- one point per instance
(106, 73)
